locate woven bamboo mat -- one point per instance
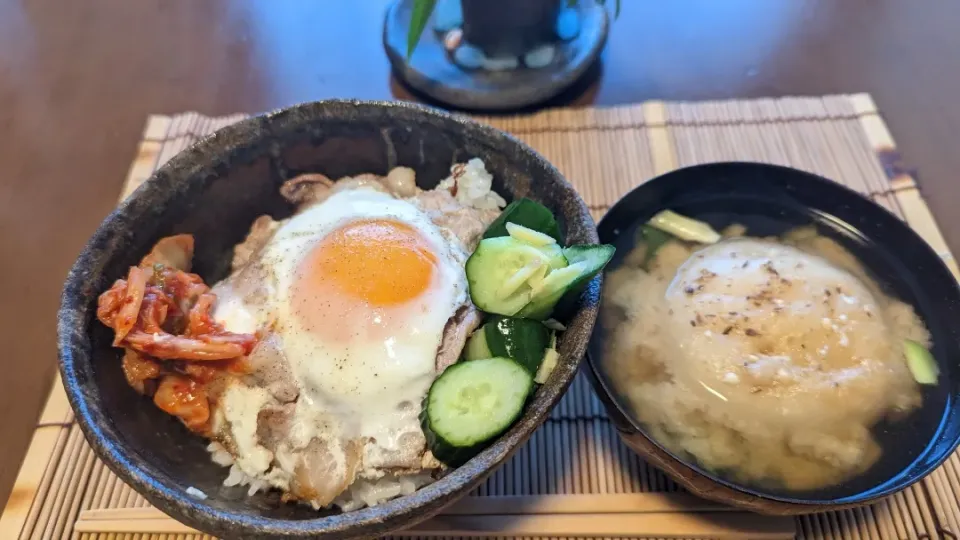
(62, 487)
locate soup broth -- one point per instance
(772, 358)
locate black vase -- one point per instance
(509, 27)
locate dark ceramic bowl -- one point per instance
(769, 200)
(215, 190)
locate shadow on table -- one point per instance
(580, 94)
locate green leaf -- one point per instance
(616, 10)
(418, 21)
(530, 214)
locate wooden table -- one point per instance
(77, 79)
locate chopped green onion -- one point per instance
(922, 364)
(684, 228)
(655, 239)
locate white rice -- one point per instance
(474, 186)
(373, 492)
(196, 493)
(362, 493)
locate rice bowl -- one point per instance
(215, 190)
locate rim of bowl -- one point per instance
(626, 419)
(414, 507)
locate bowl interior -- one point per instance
(214, 191)
(769, 200)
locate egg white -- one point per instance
(371, 387)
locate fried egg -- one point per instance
(361, 287)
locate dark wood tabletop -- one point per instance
(78, 78)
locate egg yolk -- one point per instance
(377, 261)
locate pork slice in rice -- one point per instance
(455, 335)
(310, 189)
(260, 233)
(306, 189)
(324, 467)
(269, 369)
(321, 470)
(407, 455)
(402, 182)
(173, 251)
(274, 422)
(253, 283)
(324, 470)
(466, 223)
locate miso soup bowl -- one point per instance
(214, 190)
(770, 199)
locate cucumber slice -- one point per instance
(922, 364)
(523, 340)
(529, 236)
(550, 291)
(537, 277)
(477, 346)
(595, 257)
(534, 269)
(530, 214)
(470, 404)
(684, 228)
(554, 254)
(585, 263)
(556, 260)
(498, 272)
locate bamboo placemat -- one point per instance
(63, 490)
